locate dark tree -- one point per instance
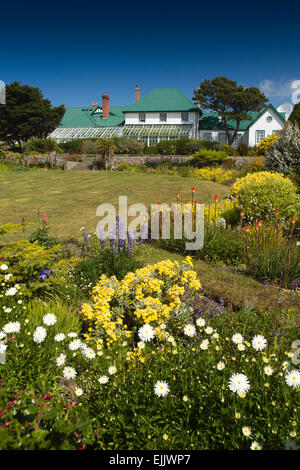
(230, 100)
(27, 114)
(295, 115)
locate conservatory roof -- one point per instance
(165, 130)
(162, 99)
(70, 133)
(211, 121)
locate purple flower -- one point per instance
(86, 237)
(130, 242)
(102, 237)
(45, 273)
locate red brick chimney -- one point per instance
(137, 93)
(105, 105)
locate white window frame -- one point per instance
(257, 134)
(140, 117)
(163, 120)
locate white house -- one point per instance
(161, 114)
(261, 125)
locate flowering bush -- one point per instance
(260, 194)
(219, 175)
(151, 295)
(265, 145)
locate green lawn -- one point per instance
(70, 199)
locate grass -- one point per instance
(70, 199)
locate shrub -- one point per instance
(41, 146)
(242, 149)
(41, 235)
(166, 147)
(230, 150)
(265, 145)
(186, 146)
(127, 146)
(260, 194)
(219, 175)
(88, 147)
(208, 157)
(284, 155)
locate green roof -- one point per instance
(88, 117)
(210, 121)
(162, 99)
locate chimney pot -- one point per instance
(137, 93)
(94, 104)
(105, 105)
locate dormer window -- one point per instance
(142, 117)
(163, 117)
(184, 117)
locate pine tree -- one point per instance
(284, 156)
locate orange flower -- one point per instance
(45, 219)
(259, 223)
(276, 212)
(193, 189)
(216, 197)
(293, 220)
(242, 214)
(247, 228)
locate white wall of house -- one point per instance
(265, 126)
(153, 118)
(220, 136)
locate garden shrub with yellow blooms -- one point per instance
(151, 295)
(260, 194)
(265, 145)
(218, 174)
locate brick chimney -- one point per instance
(105, 105)
(137, 93)
(94, 104)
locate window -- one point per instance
(259, 135)
(153, 140)
(163, 117)
(142, 117)
(184, 117)
(207, 136)
(238, 139)
(222, 138)
(274, 132)
(269, 119)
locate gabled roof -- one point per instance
(87, 117)
(210, 121)
(162, 99)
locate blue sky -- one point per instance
(75, 52)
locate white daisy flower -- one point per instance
(239, 383)
(285, 365)
(200, 322)
(112, 370)
(61, 360)
(75, 344)
(7, 276)
(146, 333)
(255, 446)
(3, 267)
(72, 334)
(209, 330)
(216, 335)
(268, 370)
(12, 327)
(204, 344)
(89, 353)
(221, 365)
(2, 335)
(237, 338)
(246, 431)
(12, 291)
(141, 345)
(103, 379)
(39, 334)
(189, 330)
(259, 342)
(161, 388)
(3, 348)
(69, 373)
(7, 310)
(78, 392)
(241, 347)
(293, 378)
(59, 337)
(49, 319)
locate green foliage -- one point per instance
(242, 149)
(42, 417)
(42, 146)
(88, 147)
(208, 158)
(230, 150)
(128, 146)
(105, 148)
(166, 147)
(41, 235)
(284, 156)
(295, 115)
(27, 114)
